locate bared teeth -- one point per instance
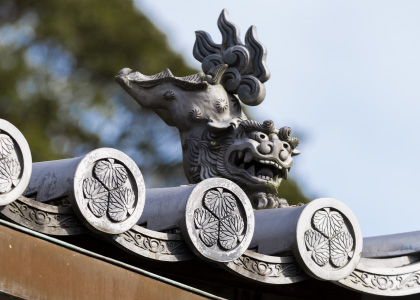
(243, 157)
(268, 178)
(248, 157)
(270, 162)
(251, 170)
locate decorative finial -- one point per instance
(247, 70)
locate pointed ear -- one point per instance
(214, 75)
(295, 152)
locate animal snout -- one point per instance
(265, 147)
(276, 148)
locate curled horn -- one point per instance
(269, 126)
(284, 135)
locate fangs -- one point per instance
(265, 169)
(248, 157)
(251, 170)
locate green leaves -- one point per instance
(60, 76)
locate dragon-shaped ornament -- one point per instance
(217, 138)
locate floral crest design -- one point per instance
(218, 221)
(109, 191)
(195, 115)
(169, 95)
(10, 168)
(221, 105)
(329, 241)
(6, 146)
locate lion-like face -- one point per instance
(259, 159)
(255, 156)
(217, 139)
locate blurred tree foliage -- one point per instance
(57, 63)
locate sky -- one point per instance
(345, 76)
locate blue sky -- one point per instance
(346, 78)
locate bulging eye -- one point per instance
(258, 136)
(287, 147)
(285, 153)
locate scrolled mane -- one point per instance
(285, 135)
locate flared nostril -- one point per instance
(265, 148)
